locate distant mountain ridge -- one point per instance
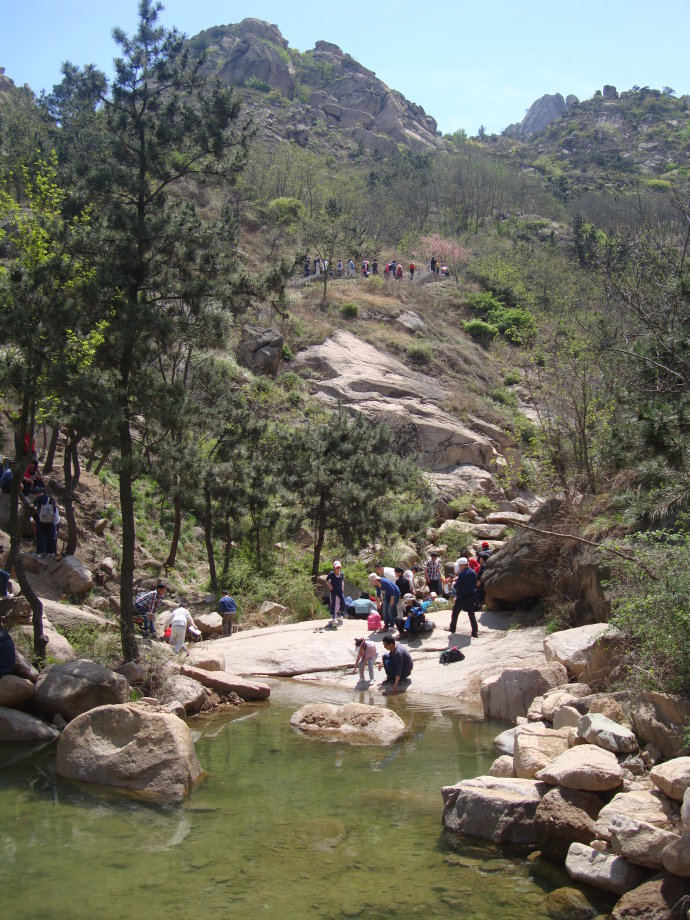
(295, 94)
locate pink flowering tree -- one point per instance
(447, 252)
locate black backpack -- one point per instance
(451, 654)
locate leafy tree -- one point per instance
(46, 348)
(447, 252)
(337, 476)
(163, 124)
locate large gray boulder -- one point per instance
(15, 691)
(210, 625)
(654, 900)
(641, 843)
(602, 870)
(543, 111)
(509, 694)
(564, 816)
(206, 657)
(536, 747)
(184, 690)
(672, 777)
(584, 767)
(22, 727)
(660, 719)
(148, 754)
(77, 686)
(499, 809)
(68, 617)
(355, 723)
(595, 728)
(261, 350)
(574, 647)
(676, 856)
(649, 807)
(523, 570)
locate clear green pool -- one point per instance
(283, 827)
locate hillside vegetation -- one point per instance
(564, 321)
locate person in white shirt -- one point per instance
(178, 621)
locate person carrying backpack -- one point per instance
(44, 512)
(227, 608)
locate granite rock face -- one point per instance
(541, 114)
(498, 809)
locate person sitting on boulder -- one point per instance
(146, 606)
(397, 663)
(227, 607)
(367, 654)
(178, 621)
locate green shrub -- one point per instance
(511, 379)
(287, 353)
(420, 354)
(503, 398)
(285, 211)
(255, 83)
(483, 303)
(477, 500)
(480, 330)
(516, 324)
(651, 605)
(349, 310)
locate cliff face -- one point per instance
(540, 115)
(323, 86)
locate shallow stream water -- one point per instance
(283, 827)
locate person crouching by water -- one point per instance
(367, 654)
(178, 621)
(397, 663)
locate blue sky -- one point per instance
(466, 63)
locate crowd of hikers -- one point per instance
(393, 269)
(41, 507)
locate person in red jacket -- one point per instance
(412, 271)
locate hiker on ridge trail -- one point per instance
(398, 272)
(412, 271)
(374, 267)
(350, 269)
(44, 513)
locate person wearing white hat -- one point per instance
(465, 586)
(335, 581)
(178, 622)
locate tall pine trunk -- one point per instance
(72, 535)
(208, 536)
(52, 447)
(129, 645)
(318, 542)
(177, 527)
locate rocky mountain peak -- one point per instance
(540, 115)
(323, 86)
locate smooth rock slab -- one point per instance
(596, 728)
(566, 717)
(498, 809)
(672, 777)
(585, 767)
(648, 807)
(352, 722)
(565, 816)
(225, 683)
(536, 747)
(638, 841)
(206, 657)
(77, 686)
(601, 870)
(510, 693)
(20, 726)
(148, 754)
(15, 691)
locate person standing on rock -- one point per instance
(227, 608)
(367, 654)
(178, 621)
(465, 588)
(391, 596)
(412, 270)
(147, 604)
(351, 269)
(335, 581)
(397, 663)
(432, 573)
(405, 586)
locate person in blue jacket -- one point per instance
(227, 608)
(465, 587)
(391, 596)
(335, 581)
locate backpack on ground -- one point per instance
(374, 621)
(451, 654)
(46, 512)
